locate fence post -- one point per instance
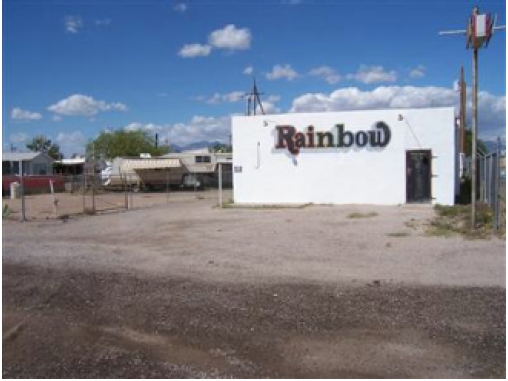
(22, 191)
(131, 194)
(497, 184)
(220, 185)
(125, 191)
(83, 189)
(55, 201)
(93, 194)
(168, 179)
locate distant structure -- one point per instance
(253, 101)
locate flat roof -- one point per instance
(75, 161)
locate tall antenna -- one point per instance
(253, 101)
(480, 28)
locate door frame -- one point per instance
(429, 155)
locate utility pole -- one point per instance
(480, 29)
(474, 147)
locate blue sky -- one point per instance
(74, 68)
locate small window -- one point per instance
(203, 159)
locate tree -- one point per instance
(121, 143)
(482, 147)
(222, 148)
(41, 143)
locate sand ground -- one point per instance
(185, 289)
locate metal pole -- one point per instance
(475, 136)
(220, 185)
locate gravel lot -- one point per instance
(188, 290)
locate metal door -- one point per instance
(418, 176)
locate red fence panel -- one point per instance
(34, 184)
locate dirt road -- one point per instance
(187, 290)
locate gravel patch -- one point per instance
(187, 290)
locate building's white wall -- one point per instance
(341, 176)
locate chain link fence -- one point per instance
(491, 185)
(88, 194)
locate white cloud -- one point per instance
(218, 98)
(372, 74)
(195, 50)
(18, 137)
(215, 99)
(282, 71)
(230, 38)
(83, 105)
(57, 118)
(248, 70)
(491, 115)
(71, 142)
(492, 109)
(327, 73)
(417, 72)
(233, 96)
(73, 24)
(134, 126)
(199, 128)
(273, 98)
(181, 7)
(270, 108)
(198, 98)
(24, 115)
(145, 127)
(103, 22)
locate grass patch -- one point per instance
(362, 215)
(6, 212)
(453, 220)
(398, 234)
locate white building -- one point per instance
(357, 157)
